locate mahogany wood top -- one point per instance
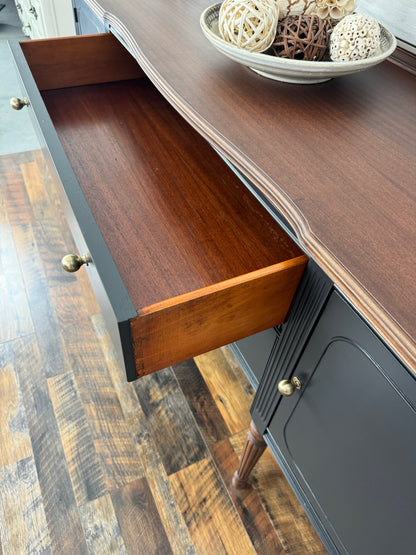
(337, 159)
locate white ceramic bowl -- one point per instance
(290, 71)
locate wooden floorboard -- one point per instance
(247, 503)
(58, 496)
(208, 512)
(101, 527)
(23, 510)
(168, 416)
(15, 443)
(92, 464)
(83, 461)
(16, 319)
(139, 519)
(202, 404)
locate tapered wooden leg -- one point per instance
(253, 450)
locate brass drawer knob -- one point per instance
(18, 103)
(73, 262)
(288, 387)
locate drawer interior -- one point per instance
(203, 262)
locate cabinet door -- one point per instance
(348, 436)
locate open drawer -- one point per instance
(183, 258)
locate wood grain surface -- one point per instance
(198, 491)
(101, 526)
(14, 434)
(158, 398)
(174, 216)
(77, 441)
(14, 306)
(139, 520)
(75, 61)
(247, 502)
(22, 509)
(337, 159)
(92, 464)
(205, 409)
(194, 323)
(288, 517)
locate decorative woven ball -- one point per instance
(356, 37)
(295, 7)
(334, 9)
(249, 24)
(301, 37)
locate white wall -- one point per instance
(398, 16)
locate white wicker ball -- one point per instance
(334, 9)
(355, 37)
(249, 24)
(295, 7)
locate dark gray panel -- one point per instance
(253, 353)
(348, 435)
(307, 305)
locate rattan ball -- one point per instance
(249, 24)
(302, 37)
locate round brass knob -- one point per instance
(288, 387)
(73, 262)
(18, 103)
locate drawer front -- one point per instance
(103, 274)
(184, 259)
(346, 437)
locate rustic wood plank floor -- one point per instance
(92, 464)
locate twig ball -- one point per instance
(249, 24)
(302, 37)
(356, 37)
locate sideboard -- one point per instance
(213, 206)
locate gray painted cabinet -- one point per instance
(346, 439)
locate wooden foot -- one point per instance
(253, 450)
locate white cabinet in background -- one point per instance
(46, 18)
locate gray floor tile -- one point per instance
(16, 131)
